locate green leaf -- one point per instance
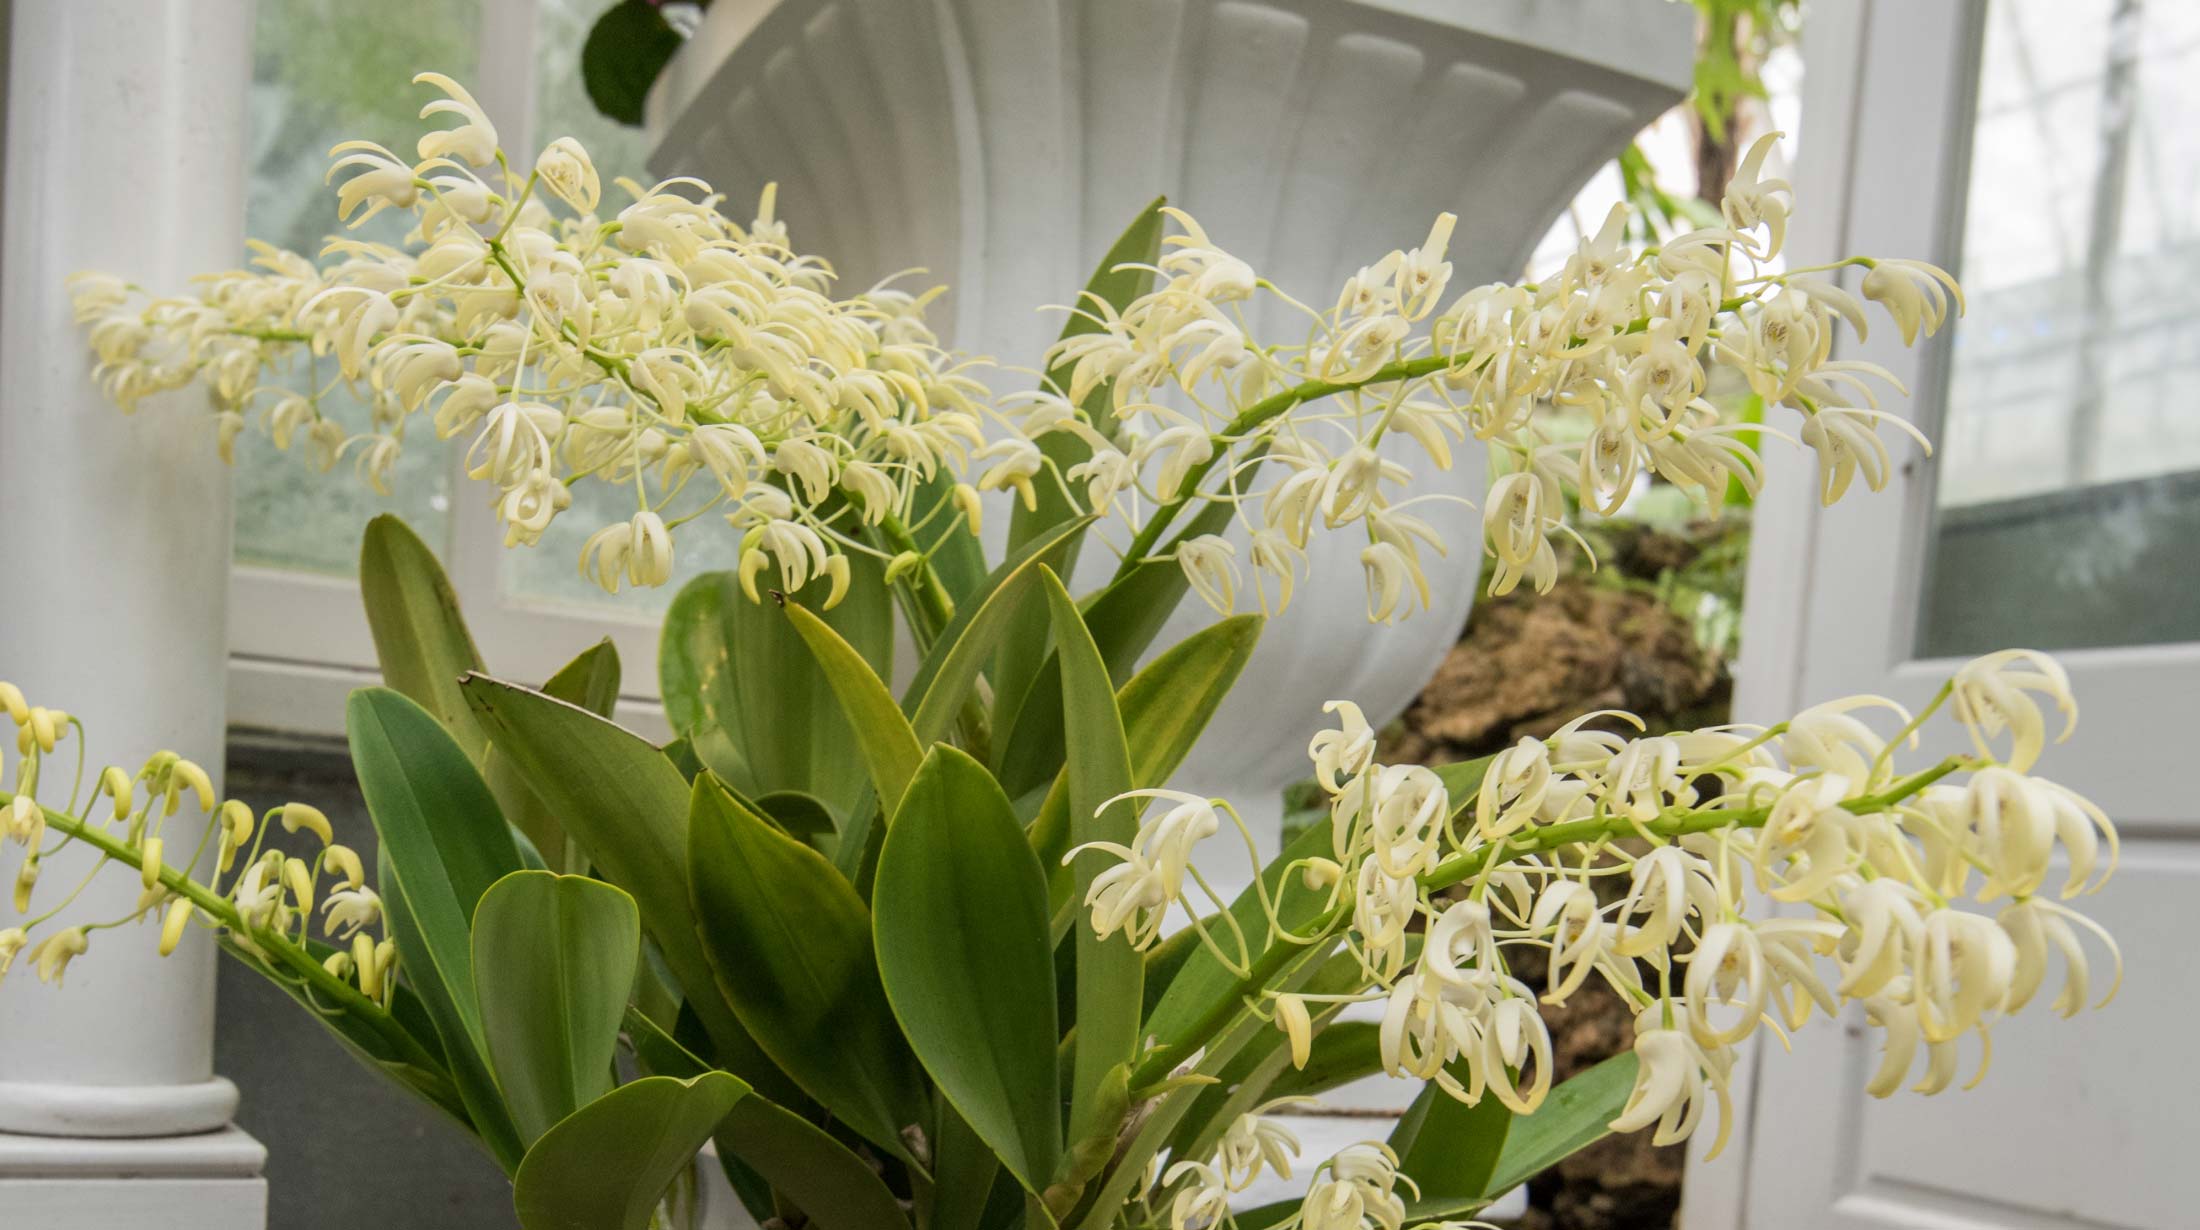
(366, 1043)
(607, 1165)
(590, 681)
(791, 942)
(1125, 272)
(964, 1174)
(1110, 973)
(950, 670)
(1124, 619)
(739, 665)
(960, 919)
(1577, 1114)
(1204, 987)
(820, 1175)
(626, 806)
(439, 827)
(1342, 1053)
(554, 958)
(1450, 1148)
(419, 638)
(882, 734)
(799, 815)
(1164, 708)
(462, 1049)
(625, 50)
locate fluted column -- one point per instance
(125, 152)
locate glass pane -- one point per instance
(326, 71)
(550, 571)
(2069, 485)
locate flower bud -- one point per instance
(171, 927)
(753, 561)
(836, 570)
(902, 565)
(1297, 1025)
(25, 879)
(302, 816)
(149, 862)
(370, 960)
(1319, 873)
(41, 728)
(300, 883)
(185, 773)
(966, 501)
(346, 863)
(236, 821)
(113, 781)
(11, 699)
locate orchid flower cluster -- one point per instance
(1708, 834)
(706, 364)
(263, 901)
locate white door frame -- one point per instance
(1833, 596)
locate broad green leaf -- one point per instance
(820, 1175)
(419, 639)
(1449, 1148)
(801, 816)
(368, 1044)
(1164, 708)
(554, 958)
(439, 827)
(607, 1165)
(1578, 1113)
(882, 734)
(791, 943)
(1125, 272)
(1124, 619)
(590, 681)
(963, 1175)
(1109, 971)
(948, 673)
(960, 919)
(739, 666)
(462, 1050)
(626, 806)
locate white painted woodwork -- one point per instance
(124, 152)
(2081, 1123)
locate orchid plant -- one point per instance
(947, 958)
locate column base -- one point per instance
(34, 1109)
(205, 1181)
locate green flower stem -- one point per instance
(931, 592)
(1465, 866)
(1272, 961)
(1253, 416)
(1276, 404)
(295, 957)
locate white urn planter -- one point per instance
(1003, 144)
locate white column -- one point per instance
(125, 153)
